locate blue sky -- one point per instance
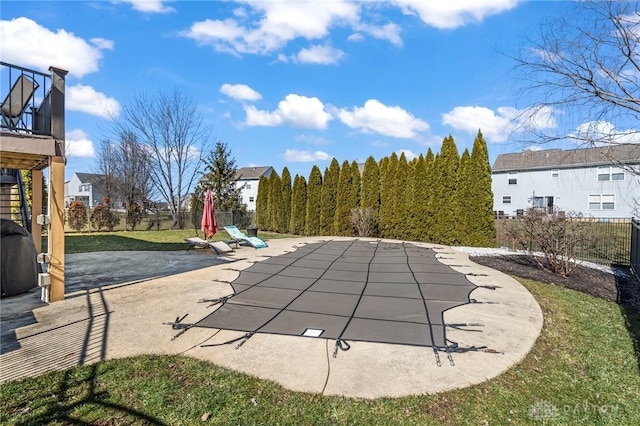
(289, 83)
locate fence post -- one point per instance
(635, 248)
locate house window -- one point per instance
(602, 202)
(512, 178)
(555, 173)
(251, 199)
(538, 202)
(248, 186)
(506, 199)
(607, 173)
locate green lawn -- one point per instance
(140, 240)
(584, 369)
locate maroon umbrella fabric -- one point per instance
(209, 224)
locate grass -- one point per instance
(139, 240)
(583, 369)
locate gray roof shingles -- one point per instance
(557, 158)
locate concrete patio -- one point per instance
(118, 304)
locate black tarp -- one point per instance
(347, 290)
(18, 259)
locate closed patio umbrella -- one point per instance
(209, 224)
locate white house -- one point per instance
(585, 181)
(84, 187)
(247, 178)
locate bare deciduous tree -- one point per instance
(171, 130)
(584, 70)
(125, 166)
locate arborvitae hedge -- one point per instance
(328, 197)
(262, 203)
(419, 200)
(344, 200)
(356, 187)
(465, 194)
(370, 194)
(388, 166)
(298, 205)
(444, 199)
(402, 194)
(286, 199)
(481, 229)
(314, 194)
(276, 204)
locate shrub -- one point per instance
(559, 237)
(365, 221)
(134, 215)
(103, 218)
(77, 217)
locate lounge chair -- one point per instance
(16, 102)
(240, 237)
(219, 247)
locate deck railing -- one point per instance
(35, 117)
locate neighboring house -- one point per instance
(84, 187)
(247, 178)
(583, 181)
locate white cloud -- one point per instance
(267, 26)
(297, 156)
(499, 125)
(604, 133)
(27, 43)
(294, 110)
(77, 144)
(389, 32)
(240, 92)
(472, 118)
(313, 139)
(86, 99)
(453, 14)
(409, 155)
(318, 54)
(150, 6)
(386, 120)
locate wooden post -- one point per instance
(56, 229)
(56, 191)
(36, 208)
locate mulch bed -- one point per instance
(622, 287)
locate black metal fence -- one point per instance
(611, 240)
(635, 247)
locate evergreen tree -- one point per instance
(429, 217)
(263, 220)
(220, 177)
(286, 199)
(444, 199)
(481, 228)
(328, 197)
(356, 186)
(276, 203)
(370, 195)
(402, 193)
(314, 198)
(344, 199)
(298, 206)
(417, 204)
(465, 195)
(388, 166)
